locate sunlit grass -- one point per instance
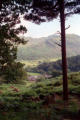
(34, 63)
(33, 74)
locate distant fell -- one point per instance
(46, 47)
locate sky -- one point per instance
(50, 28)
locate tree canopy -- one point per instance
(34, 10)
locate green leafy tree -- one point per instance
(9, 68)
(14, 73)
(9, 39)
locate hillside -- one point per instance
(55, 68)
(45, 47)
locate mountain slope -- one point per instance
(55, 68)
(45, 47)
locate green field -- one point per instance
(40, 100)
(34, 63)
(33, 74)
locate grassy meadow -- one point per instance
(33, 74)
(34, 63)
(40, 100)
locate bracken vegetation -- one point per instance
(40, 100)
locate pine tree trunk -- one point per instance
(64, 59)
(0, 4)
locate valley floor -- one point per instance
(40, 100)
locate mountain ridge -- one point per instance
(45, 47)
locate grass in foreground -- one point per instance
(41, 100)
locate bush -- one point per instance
(56, 73)
(14, 73)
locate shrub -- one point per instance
(14, 73)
